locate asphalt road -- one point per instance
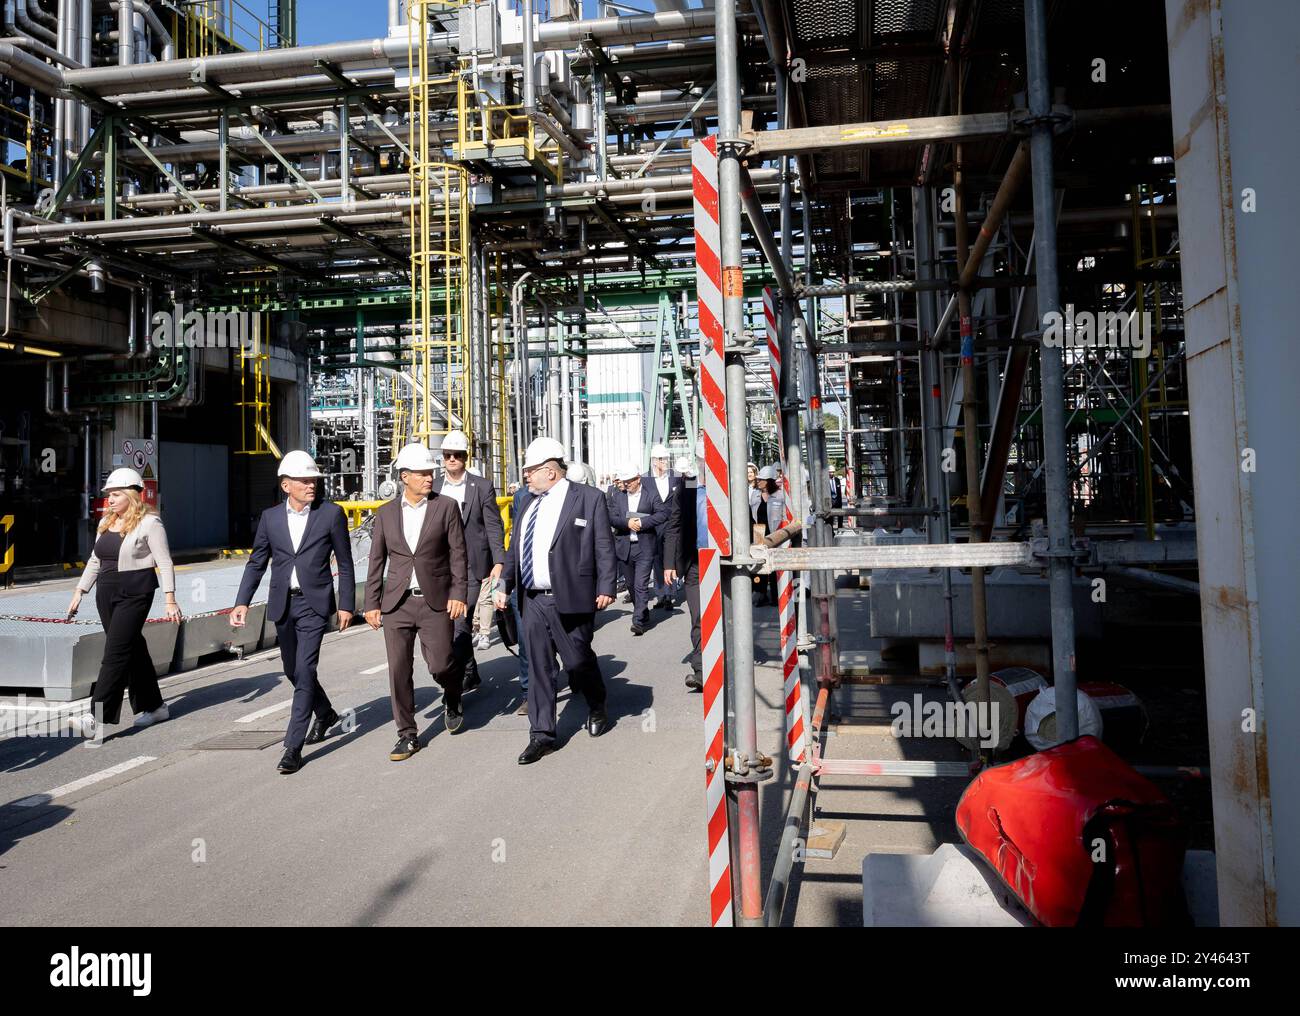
(608, 830)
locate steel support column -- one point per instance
(1061, 567)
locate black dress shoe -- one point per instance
(404, 749)
(290, 761)
(320, 726)
(454, 717)
(597, 722)
(471, 680)
(534, 751)
(693, 682)
(627, 597)
(637, 630)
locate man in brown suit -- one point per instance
(420, 538)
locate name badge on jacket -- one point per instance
(579, 522)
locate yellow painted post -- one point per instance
(7, 563)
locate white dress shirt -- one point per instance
(548, 510)
(456, 491)
(412, 523)
(632, 501)
(297, 527)
(662, 483)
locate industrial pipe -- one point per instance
(151, 19)
(24, 21)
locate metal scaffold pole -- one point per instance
(746, 769)
(1061, 568)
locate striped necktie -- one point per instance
(526, 556)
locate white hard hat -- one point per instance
(455, 442)
(685, 464)
(414, 456)
(659, 452)
(628, 472)
(542, 450)
(767, 473)
(299, 465)
(124, 477)
(580, 472)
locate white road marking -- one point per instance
(85, 781)
(265, 712)
(376, 670)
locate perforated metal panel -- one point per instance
(834, 93)
(241, 740)
(891, 18)
(825, 24)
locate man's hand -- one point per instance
(374, 619)
(495, 573)
(239, 617)
(634, 525)
(500, 600)
(670, 576)
(603, 601)
(345, 619)
(455, 609)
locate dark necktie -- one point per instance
(526, 559)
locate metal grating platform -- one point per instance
(241, 740)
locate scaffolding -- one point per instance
(440, 389)
(254, 403)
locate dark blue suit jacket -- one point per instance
(675, 481)
(327, 532)
(581, 555)
(648, 505)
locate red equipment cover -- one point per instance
(1079, 837)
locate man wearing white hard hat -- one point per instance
(130, 543)
(769, 511)
(417, 586)
(637, 514)
(684, 534)
(484, 542)
(561, 560)
(665, 480)
(297, 539)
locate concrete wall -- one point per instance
(1234, 78)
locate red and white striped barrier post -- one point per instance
(796, 731)
(708, 280)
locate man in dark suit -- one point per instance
(420, 538)
(684, 534)
(484, 540)
(561, 560)
(836, 487)
(666, 481)
(636, 514)
(297, 539)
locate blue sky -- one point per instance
(342, 20)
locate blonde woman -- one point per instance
(131, 542)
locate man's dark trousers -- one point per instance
(300, 633)
(691, 580)
(548, 633)
(637, 573)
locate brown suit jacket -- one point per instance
(438, 559)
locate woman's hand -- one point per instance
(173, 612)
(75, 605)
